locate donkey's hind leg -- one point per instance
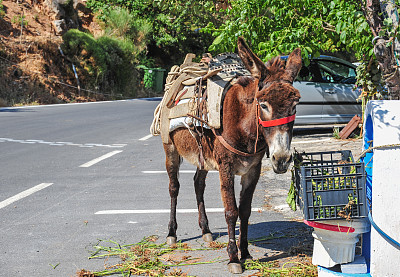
(172, 163)
(199, 186)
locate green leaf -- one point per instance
(343, 37)
(338, 26)
(364, 25)
(218, 39)
(371, 52)
(291, 198)
(387, 21)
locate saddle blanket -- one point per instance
(184, 121)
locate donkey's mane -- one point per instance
(244, 81)
(275, 65)
(276, 69)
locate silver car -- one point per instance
(327, 92)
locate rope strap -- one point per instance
(232, 149)
(370, 149)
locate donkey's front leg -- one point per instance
(248, 182)
(231, 215)
(172, 164)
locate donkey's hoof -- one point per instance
(171, 241)
(235, 268)
(208, 237)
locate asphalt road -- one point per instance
(48, 148)
(73, 174)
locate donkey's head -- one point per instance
(275, 101)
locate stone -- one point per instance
(59, 26)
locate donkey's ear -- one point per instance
(293, 65)
(253, 63)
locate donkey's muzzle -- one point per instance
(281, 162)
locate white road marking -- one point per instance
(82, 103)
(99, 159)
(57, 143)
(167, 211)
(146, 137)
(94, 144)
(180, 171)
(282, 207)
(132, 222)
(116, 145)
(23, 194)
(310, 141)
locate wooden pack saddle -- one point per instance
(194, 93)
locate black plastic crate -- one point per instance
(330, 185)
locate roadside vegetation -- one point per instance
(115, 38)
(2, 12)
(107, 63)
(176, 26)
(150, 258)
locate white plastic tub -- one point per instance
(335, 240)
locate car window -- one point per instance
(310, 73)
(327, 72)
(304, 74)
(333, 72)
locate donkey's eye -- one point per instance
(264, 106)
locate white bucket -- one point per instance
(334, 247)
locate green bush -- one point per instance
(175, 25)
(108, 62)
(2, 12)
(133, 33)
(102, 62)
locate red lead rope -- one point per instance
(276, 122)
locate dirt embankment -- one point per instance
(32, 68)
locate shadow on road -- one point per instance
(283, 238)
(14, 110)
(314, 129)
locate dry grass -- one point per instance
(148, 258)
(299, 266)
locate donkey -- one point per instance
(258, 114)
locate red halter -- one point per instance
(269, 123)
(276, 122)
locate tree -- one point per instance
(382, 18)
(277, 27)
